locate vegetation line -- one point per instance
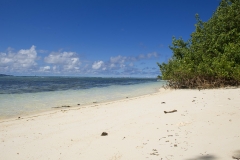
(211, 57)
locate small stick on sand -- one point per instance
(170, 111)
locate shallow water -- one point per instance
(25, 101)
(13, 85)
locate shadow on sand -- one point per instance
(207, 157)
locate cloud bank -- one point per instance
(27, 61)
(63, 61)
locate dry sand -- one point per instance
(206, 126)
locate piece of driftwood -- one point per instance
(62, 107)
(65, 106)
(235, 158)
(170, 111)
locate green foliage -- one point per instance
(211, 58)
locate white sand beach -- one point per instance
(206, 126)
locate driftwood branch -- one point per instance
(170, 111)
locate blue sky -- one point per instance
(112, 38)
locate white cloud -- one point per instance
(42, 51)
(131, 64)
(120, 65)
(24, 59)
(153, 54)
(112, 65)
(54, 68)
(148, 56)
(118, 59)
(45, 69)
(63, 60)
(141, 56)
(97, 65)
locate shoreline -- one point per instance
(53, 110)
(15, 105)
(205, 125)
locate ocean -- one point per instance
(27, 95)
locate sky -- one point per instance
(106, 38)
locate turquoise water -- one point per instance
(25, 103)
(13, 85)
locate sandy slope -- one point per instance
(206, 126)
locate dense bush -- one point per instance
(211, 57)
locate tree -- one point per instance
(211, 57)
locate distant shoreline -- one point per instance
(5, 75)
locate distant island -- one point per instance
(5, 75)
